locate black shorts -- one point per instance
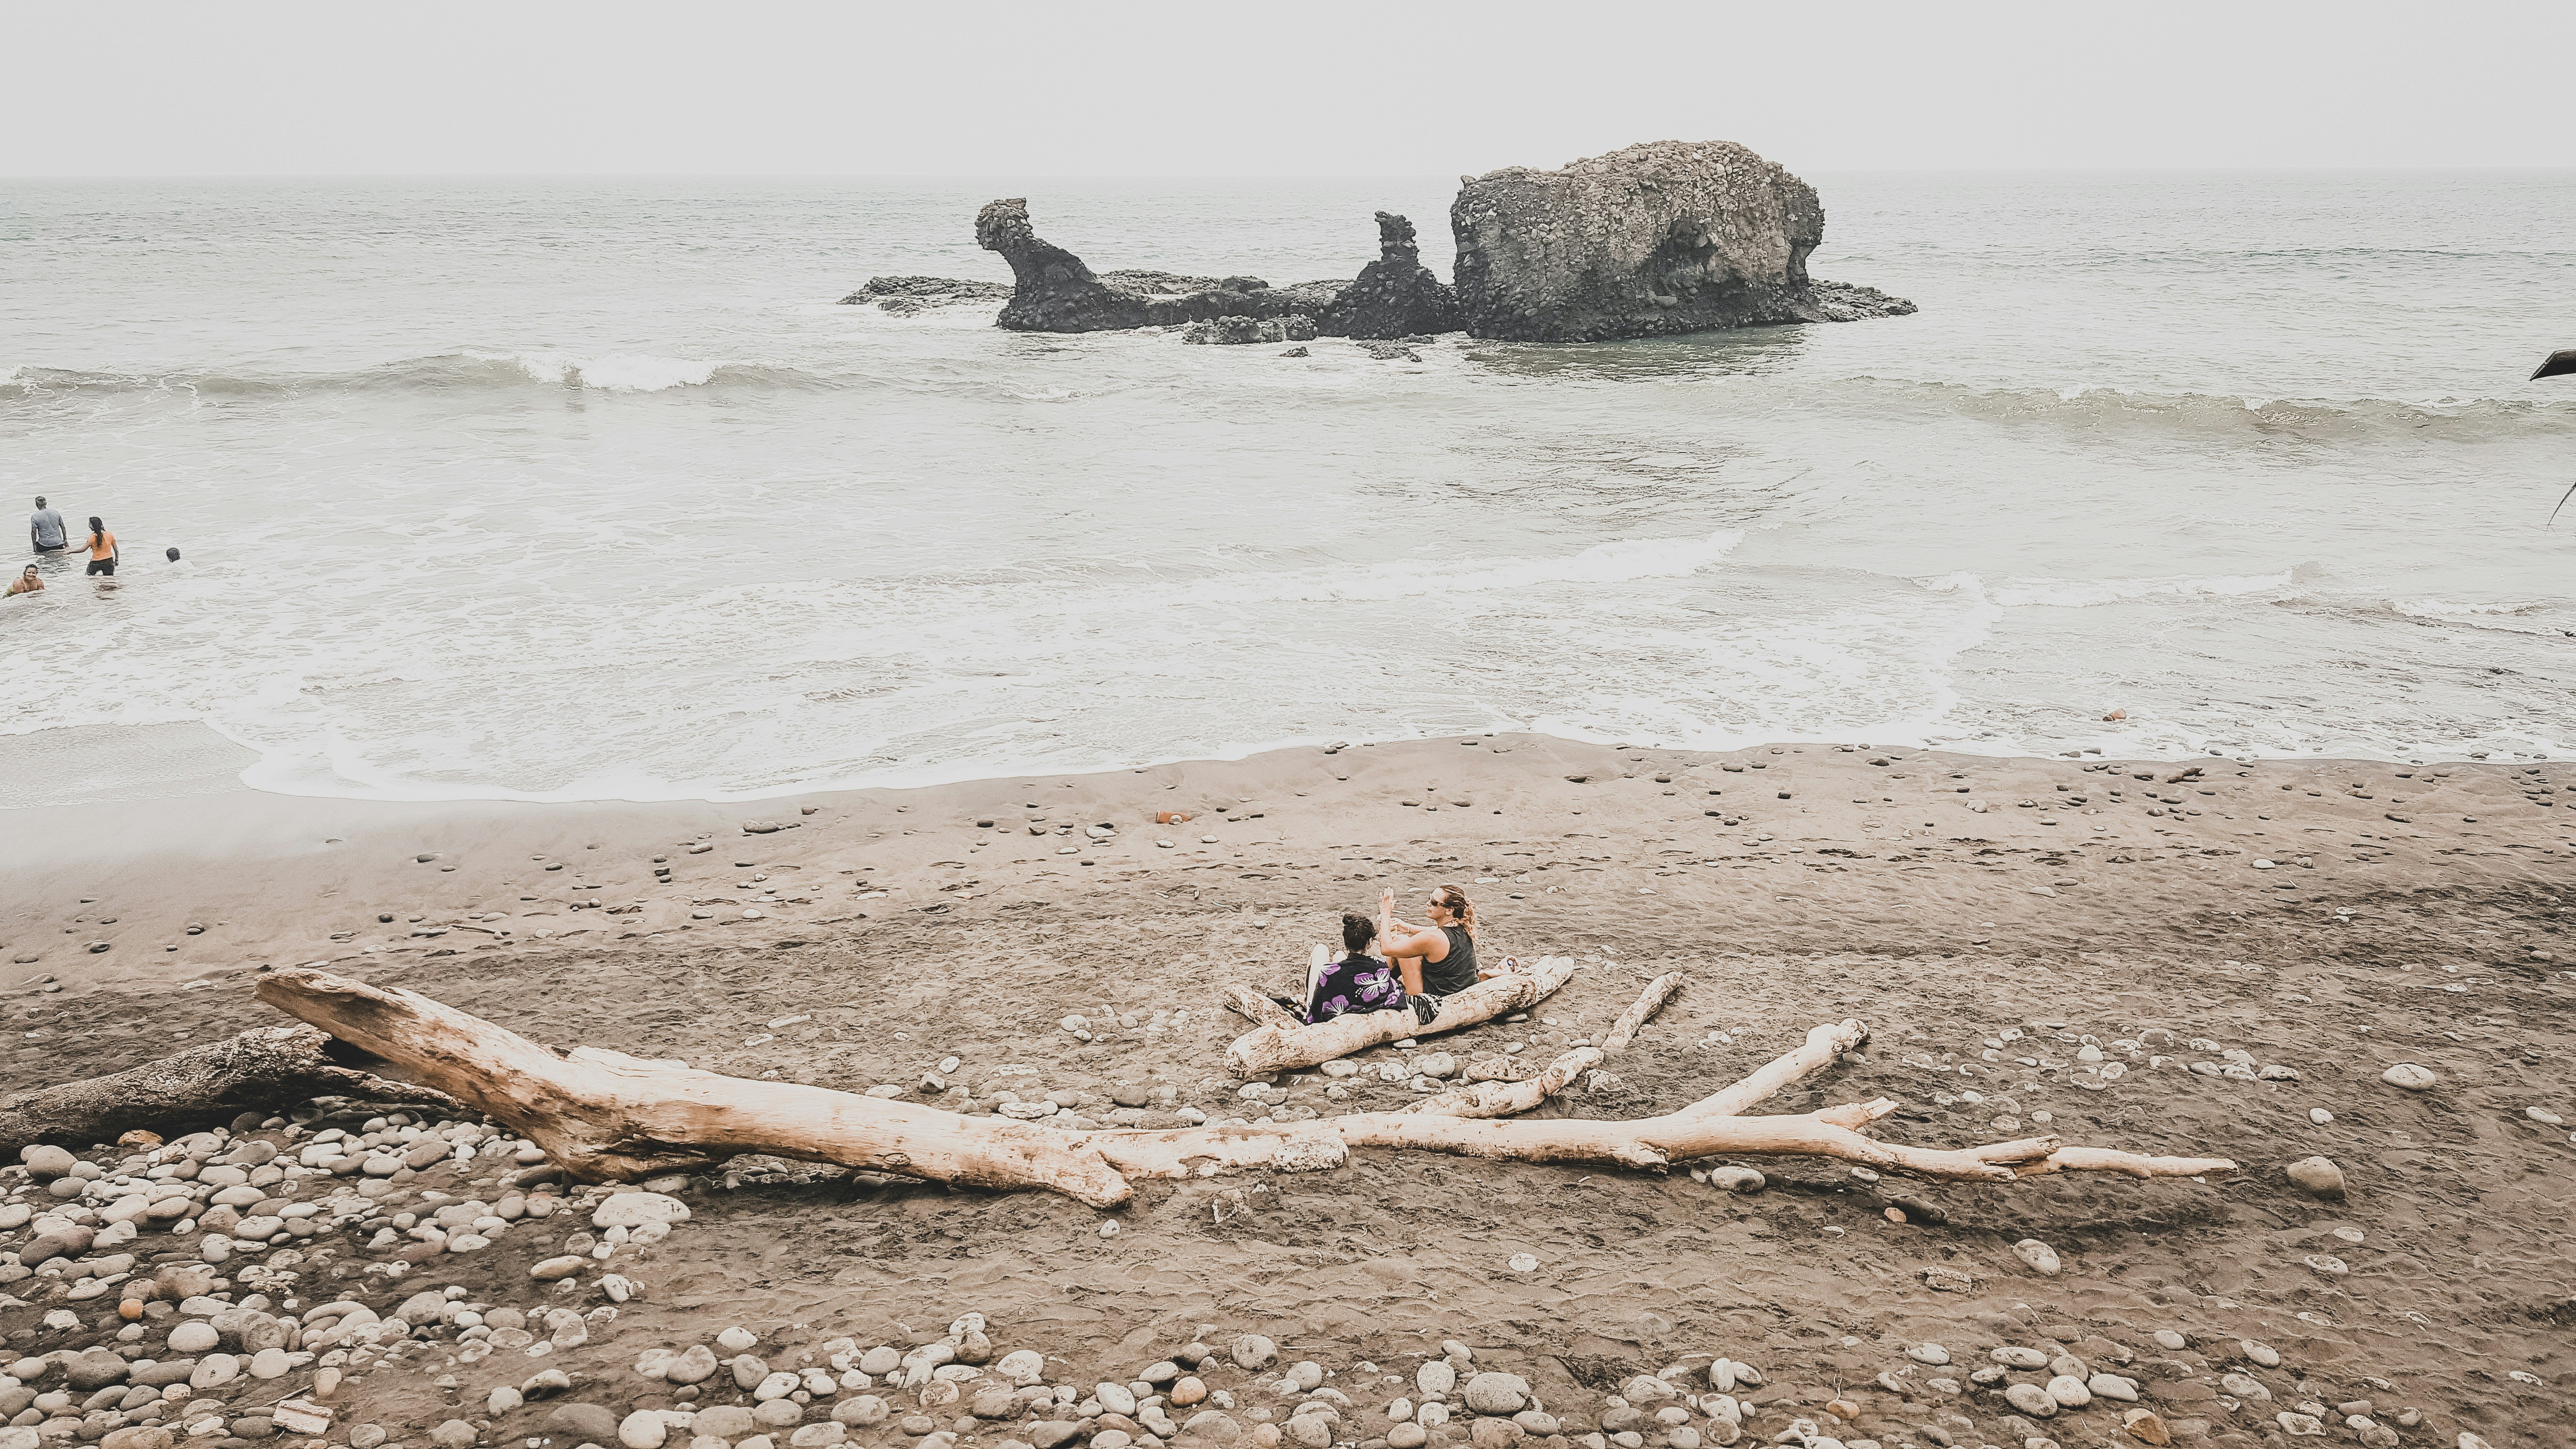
(51, 547)
(102, 566)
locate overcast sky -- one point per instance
(1384, 88)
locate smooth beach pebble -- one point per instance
(2317, 1176)
(1930, 1353)
(2409, 1076)
(2041, 1258)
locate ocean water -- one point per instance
(588, 489)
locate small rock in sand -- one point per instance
(1931, 1353)
(1252, 1352)
(2031, 1399)
(2317, 1176)
(2041, 1258)
(1736, 1179)
(1497, 1393)
(642, 1429)
(737, 1339)
(2262, 1353)
(697, 1365)
(2409, 1077)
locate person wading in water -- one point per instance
(102, 548)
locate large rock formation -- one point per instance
(1396, 295)
(1055, 292)
(1666, 237)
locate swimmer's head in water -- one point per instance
(174, 555)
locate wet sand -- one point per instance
(1984, 916)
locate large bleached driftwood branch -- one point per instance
(604, 1115)
(197, 1088)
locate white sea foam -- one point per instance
(617, 372)
(2447, 609)
(2017, 593)
(1608, 563)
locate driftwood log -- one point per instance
(604, 1115)
(1284, 1046)
(201, 1087)
(1502, 1098)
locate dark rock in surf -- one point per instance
(913, 293)
(1396, 295)
(1056, 292)
(1661, 238)
(1235, 331)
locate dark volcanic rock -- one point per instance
(931, 291)
(1057, 293)
(1666, 237)
(1396, 295)
(1234, 331)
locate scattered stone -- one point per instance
(862, 1410)
(1252, 1353)
(1929, 1353)
(635, 1209)
(581, 1422)
(2408, 1076)
(2143, 1426)
(2038, 1256)
(696, 1365)
(2031, 1399)
(1736, 1179)
(1497, 1393)
(643, 1429)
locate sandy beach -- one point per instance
(1998, 924)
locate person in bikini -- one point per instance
(1435, 960)
(26, 583)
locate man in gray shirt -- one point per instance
(45, 529)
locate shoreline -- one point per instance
(136, 874)
(145, 762)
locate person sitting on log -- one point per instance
(1357, 982)
(1436, 960)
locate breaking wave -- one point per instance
(455, 371)
(2104, 410)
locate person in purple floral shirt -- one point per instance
(1357, 982)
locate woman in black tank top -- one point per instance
(1436, 960)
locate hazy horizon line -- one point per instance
(2274, 170)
